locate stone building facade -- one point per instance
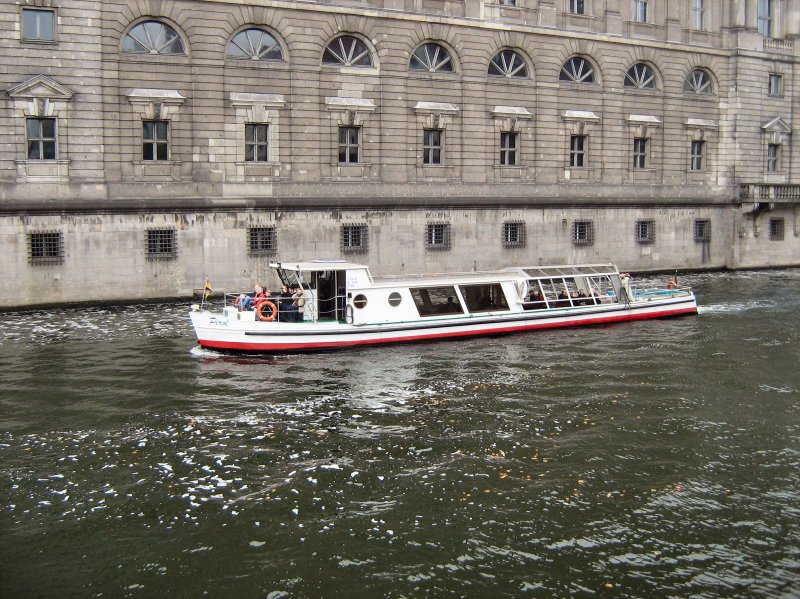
(146, 145)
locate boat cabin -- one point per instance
(341, 291)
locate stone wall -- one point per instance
(100, 197)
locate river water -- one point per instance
(657, 458)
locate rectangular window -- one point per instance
(645, 231)
(773, 158)
(702, 229)
(46, 248)
(508, 2)
(699, 14)
(256, 143)
(262, 241)
(640, 11)
(576, 7)
(41, 137)
(349, 144)
(155, 140)
(432, 146)
(513, 234)
(640, 147)
(776, 229)
(582, 232)
(38, 25)
(508, 149)
(577, 150)
(775, 85)
(765, 15)
(161, 244)
(355, 238)
(437, 236)
(484, 298)
(434, 301)
(697, 155)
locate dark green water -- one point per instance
(646, 459)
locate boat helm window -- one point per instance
(435, 301)
(484, 298)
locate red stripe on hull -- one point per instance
(319, 345)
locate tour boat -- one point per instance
(344, 306)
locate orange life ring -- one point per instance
(273, 311)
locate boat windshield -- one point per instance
(292, 277)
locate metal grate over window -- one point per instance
(161, 244)
(437, 236)
(777, 229)
(262, 241)
(355, 238)
(645, 231)
(513, 234)
(702, 230)
(46, 248)
(582, 232)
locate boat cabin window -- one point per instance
(395, 299)
(484, 298)
(434, 301)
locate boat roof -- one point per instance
(318, 265)
(512, 272)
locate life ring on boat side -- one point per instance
(348, 314)
(272, 314)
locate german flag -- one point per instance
(207, 290)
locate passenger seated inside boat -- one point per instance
(563, 299)
(246, 301)
(535, 300)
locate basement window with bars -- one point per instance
(513, 234)
(582, 232)
(777, 228)
(161, 244)
(355, 239)
(702, 229)
(437, 236)
(46, 248)
(645, 231)
(262, 241)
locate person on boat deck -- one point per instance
(583, 299)
(297, 307)
(246, 301)
(284, 300)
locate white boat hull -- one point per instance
(226, 332)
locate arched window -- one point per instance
(508, 63)
(347, 51)
(431, 57)
(698, 82)
(577, 70)
(153, 37)
(254, 44)
(640, 76)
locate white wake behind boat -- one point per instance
(345, 306)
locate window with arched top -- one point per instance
(433, 58)
(153, 37)
(577, 70)
(698, 82)
(254, 44)
(640, 76)
(347, 51)
(508, 63)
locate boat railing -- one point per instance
(671, 290)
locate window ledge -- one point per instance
(146, 163)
